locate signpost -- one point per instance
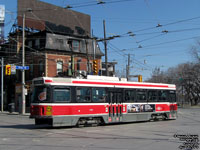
(11, 69)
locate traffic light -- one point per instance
(139, 78)
(8, 70)
(95, 67)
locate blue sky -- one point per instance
(164, 47)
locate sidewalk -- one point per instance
(14, 113)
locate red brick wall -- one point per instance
(51, 63)
(53, 58)
(51, 68)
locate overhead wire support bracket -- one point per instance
(101, 2)
(68, 7)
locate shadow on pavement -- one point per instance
(25, 126)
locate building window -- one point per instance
(59, 66)
(79, 64)
(30, 44)
(41, 67)
(37, 43)
(76, 45)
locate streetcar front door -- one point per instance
(115, 106)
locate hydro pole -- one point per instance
(23, 71)
(105, 45)
(2, 84)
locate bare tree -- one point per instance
(157, 76)
(195, 51)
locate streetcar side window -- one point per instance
(172, 96)
(130, 95)
(83, 94)
(98, 95)
(162, 95)
(61, 95)
(41, 94)
(152, 96)
(141, 95)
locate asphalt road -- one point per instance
(18, 132)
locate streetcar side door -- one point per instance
(115, 105)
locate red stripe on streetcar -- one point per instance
(120, 84)
(48, 81)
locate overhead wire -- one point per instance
(171, 23)
(179, 40)
(170, 41)
(137, 62)
(150, 38)
(100, 2)
(162, 53)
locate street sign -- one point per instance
(22, 67)
(13, 69)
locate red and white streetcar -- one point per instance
(100, 100)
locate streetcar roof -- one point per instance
(101, 81)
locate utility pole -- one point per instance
(128, 68)
(87, 55)
(105, 45)
(23, 71)
(2, 63)
(94, 46)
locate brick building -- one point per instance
(58, 43)
(60, 55)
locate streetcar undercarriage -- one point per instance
(79, 121)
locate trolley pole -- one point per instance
(2, 63)
(23, 71)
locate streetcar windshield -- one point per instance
(40, 94)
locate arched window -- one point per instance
(59, 66)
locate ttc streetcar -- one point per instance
(100, 100)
